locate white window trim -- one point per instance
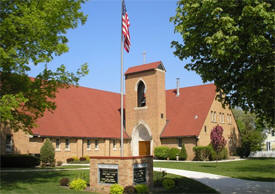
(114, 145)
(89, 148)
(97, 147)
(57, 149)
(69, 148)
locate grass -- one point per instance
(56, 167)
(183, 185)
(38, 182)
(253, 169)
(48, 182)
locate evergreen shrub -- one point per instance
(168, 183)
(161, 152)
(173, 152)
(47, 153)
(183, 153)
(142, 188)
(116, 189)
(202, 153)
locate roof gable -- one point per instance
(82, 112)
(145, 67)
(187, 112)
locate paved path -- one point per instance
(223, 184)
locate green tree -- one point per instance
(47, 153)
(183, 153)
(33, 32)
(251, 132)
(231, 43)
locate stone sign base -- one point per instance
(106, 171)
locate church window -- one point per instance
(57, 144)
(180, 142)
(205, 129)
(141, 99)
(88, 144)
(67, 144)
(114, 144)
(96, 144)
(9, 143)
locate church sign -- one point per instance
(140, 173)
(108, 173)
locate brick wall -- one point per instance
(125, 171)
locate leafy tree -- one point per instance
(251, 131)
(47, 152)
(32, 33)
(231, 43)
(217, 140)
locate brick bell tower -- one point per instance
(145, 106)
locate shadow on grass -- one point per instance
(182, 185)
(33, 182)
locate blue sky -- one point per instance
(98, 43)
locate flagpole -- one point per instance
(121, 90)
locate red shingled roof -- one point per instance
(145, 67)
(83, 112)
(187, 112)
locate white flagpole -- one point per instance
(121, 91)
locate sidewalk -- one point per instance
(223, 184)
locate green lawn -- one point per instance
(253, 169)
(48, 182)
(182, 185)
(38, 182)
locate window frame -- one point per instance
(88, 144)
(57, 147)
(67, 144)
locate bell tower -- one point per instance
(145, 106)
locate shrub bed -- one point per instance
(173, 152)
(19, 161)
(203, 153)
(161, 152)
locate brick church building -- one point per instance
(86, 121)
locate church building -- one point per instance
(86, 121)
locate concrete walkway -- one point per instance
(191, 161)
(225, 184)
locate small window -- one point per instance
(273, 132)
(205, 129)
(96, 144)
(180, 142)
(141, 99)
(114, 144)
(161, 115)
(214, 116)
(67, 144)
(57, 144)
(9, 143)
(88, 144)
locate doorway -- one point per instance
(144, 148)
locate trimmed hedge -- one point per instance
(202, 153)
(208, 153)
(173, 152)
(19, 161)
(161, 152)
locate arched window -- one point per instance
(141, 100)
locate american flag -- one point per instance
(125, 28)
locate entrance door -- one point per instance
(144, 148)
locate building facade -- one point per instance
(87, 121)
